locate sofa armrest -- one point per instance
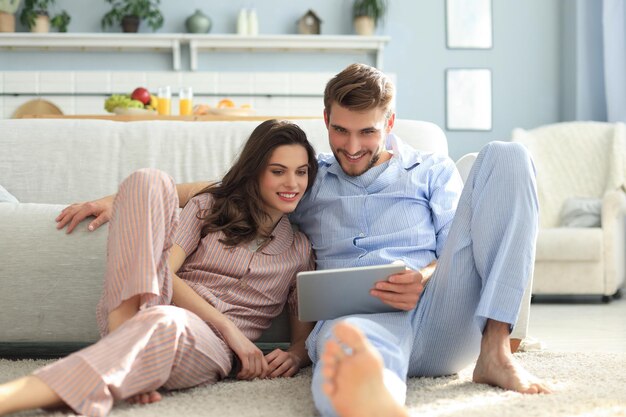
(50, 281)
(465, 163)
(614, 239)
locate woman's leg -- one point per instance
(26, 393)
(161, 346)
(141, 232)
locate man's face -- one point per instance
(357, 138)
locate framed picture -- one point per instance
(468, 24)
(468, 99)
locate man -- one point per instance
(469, 255)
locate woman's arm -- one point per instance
(286, 364)
(102, 208)
(253, 363)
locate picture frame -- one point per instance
(468, 99)
(469, 24)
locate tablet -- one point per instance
(332, 293)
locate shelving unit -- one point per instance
(171, 43)
(120, 42)
(286, 43)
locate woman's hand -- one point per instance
(282, 363)
(253, 363)
(77, 212)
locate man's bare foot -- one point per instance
(145, 398)
(497, 366)
(354, 382)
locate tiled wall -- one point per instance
(84, 92)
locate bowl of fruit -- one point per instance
(139, 102)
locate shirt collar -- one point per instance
(282, 238)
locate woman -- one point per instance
(183, 297)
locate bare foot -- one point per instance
(497, 366)
(145, 398)
(354, 382)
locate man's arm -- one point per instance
(286, 364)
(102, 208)
(404, 290)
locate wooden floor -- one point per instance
(585, 325)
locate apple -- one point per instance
(141, 94)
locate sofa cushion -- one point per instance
(569, 244)
(50, 165)
(6, 197)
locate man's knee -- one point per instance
(508, 159)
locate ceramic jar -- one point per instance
(198, 23)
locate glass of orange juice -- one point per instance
(164, 105)
(185, 101)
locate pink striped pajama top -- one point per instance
(249, 287)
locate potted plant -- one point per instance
(7, 14)
(36, 16)
(129, 13)
(367, 14)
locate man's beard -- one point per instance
(369, 165)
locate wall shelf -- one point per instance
(171, 43)
(119, 42)
(286, 43)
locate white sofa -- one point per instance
(577, 163)
(50, 282)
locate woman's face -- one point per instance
(284, 180)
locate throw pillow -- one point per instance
(6, 197)
(581, 212)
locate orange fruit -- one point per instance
(225, 103)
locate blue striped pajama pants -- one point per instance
(481, 274)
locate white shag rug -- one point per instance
(584, 385)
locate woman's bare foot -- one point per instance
(497, 366)
(145, 398)
(354, 382)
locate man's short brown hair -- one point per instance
(360, 87)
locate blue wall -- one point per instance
(525, 59)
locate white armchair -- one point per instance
(584, 160)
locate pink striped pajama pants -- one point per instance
(162, 345)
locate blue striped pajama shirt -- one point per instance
(414, 208)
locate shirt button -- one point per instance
(243, 284)
(362, 234)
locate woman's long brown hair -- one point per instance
(237, 208)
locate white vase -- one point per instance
(42, 24)
(364, 25)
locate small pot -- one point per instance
(130, 24)
(7, 22)
(364, 25)
(42, 24)
(198, 23)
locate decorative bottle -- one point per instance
(242, 22)
(253, 23)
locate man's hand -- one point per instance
(402, 290)
(77, 212)
(282, 364)
(253, 363)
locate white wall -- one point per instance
(525, 58)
